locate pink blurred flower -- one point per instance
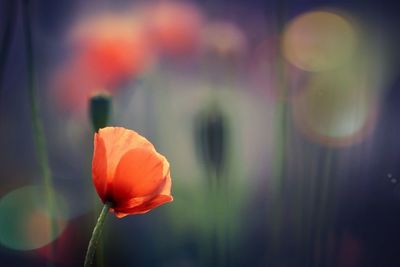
(224, 39)
(175, 27)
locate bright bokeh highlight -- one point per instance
(335, 109)
(319, 40)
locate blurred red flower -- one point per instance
(108, 51)
(114, 46)
(128, 172)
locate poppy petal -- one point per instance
(144, 204)
(145, 207)
(140, 173)
(168, 183)
(99, 166)
(118, 141)
(129, 172)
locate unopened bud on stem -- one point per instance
(100, 109)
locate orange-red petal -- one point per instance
(140, 173)
(145, 204)
(145, 207)
(99, 166)
(118, 141)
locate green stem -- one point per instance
(94, 240)
(281, 135)
(37, 124)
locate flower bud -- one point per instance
(211, 135)
(100, 106)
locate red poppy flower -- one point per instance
(128, 172)
(113, 46)
(108, 50)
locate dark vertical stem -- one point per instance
(6, 40)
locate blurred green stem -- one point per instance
(281, 121)
(94, 240)
(37, 124)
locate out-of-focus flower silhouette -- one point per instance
(211, 134)
(175, 27)
(224, 39)
(114, 46)
(108, 51)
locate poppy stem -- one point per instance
(94, 240)
(37, 123)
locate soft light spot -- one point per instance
(335, 109)
(25, 219)
(319, 40)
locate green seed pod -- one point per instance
(100, 109)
